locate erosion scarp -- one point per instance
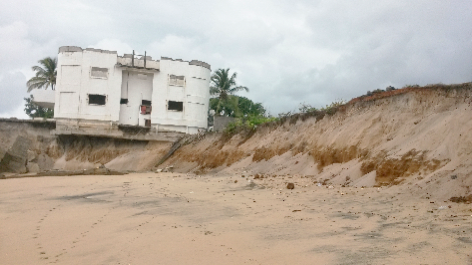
(383, 139)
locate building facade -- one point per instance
(100, 92)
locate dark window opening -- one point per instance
(97, 99)
(175, 105)
(124, 101)
(147, 123)
(146, 102)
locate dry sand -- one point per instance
(172, 218)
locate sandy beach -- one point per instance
(172, 218)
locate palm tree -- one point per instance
(224, 86)
(45, 74)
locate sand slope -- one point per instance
(420, 137)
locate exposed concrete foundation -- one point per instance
(113, 130)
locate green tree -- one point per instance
(237, 106)
(248, 107)
(228, 106)
(45, 74)
(34, 111)
(223, 86)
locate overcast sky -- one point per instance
(285, 52)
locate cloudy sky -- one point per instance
(285, 52)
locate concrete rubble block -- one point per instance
(32, 167)
(100, 171)
(168, 169)
(12, 163)
(2, 153)
(45, 162)
(31, 155)
(16, 157)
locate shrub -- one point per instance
(333, 107)
(411, 86)
(249, 123)
(306, 108)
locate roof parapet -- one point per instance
(127, 59)
(70, 49)
(192, 62)
(200, 63)
(78, 49)
(101, 51)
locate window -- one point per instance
(124, 101)
(97, 99)
(175, 105)
(98, 72)
(145, 109)
(175, 80)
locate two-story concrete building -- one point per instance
(101, 93)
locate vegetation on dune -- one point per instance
(251, 122)
(237, 107)
(248, 123)
(391, 91)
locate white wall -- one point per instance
(74, 83)
(136, 86)
(194, 95)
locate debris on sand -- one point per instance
(465, 199)
(290, 186)
(93, 171)
(166, 169)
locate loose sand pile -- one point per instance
(168, 218)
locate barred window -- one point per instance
(98, 72)
(175, 80)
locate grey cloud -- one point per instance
(286, 52)
(12, 91)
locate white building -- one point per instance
(98, 92)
